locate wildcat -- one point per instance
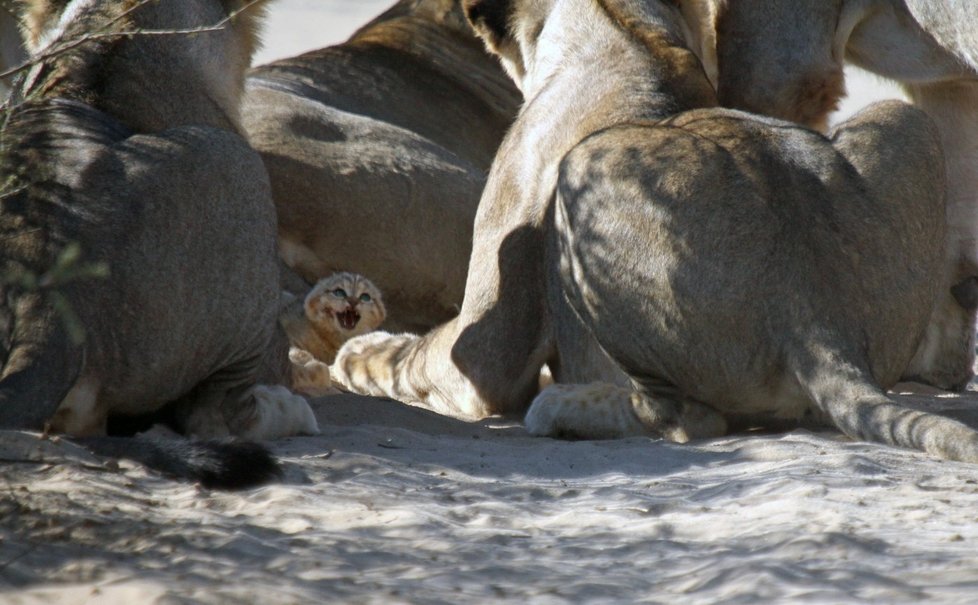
(336, 309)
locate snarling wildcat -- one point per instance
(377, 150)
(336, 309)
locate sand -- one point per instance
(394, 504)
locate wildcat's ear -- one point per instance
(490, 19)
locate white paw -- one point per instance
(279, 413)
(583, 411)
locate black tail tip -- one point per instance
(230, 464)
(217, 463)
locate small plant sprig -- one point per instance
(67, 268)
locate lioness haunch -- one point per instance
(728, 264)
(785, 59)
(129, 146)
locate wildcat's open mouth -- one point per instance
(348, 319)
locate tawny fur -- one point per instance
(130, 147)
(785, 59)
(378, 150)
(335, 310)
(603, 235)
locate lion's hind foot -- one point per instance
(605, 411)
(277, 412)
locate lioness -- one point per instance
(129, 146)
(785, 59)
(729, 264)
(378, 150)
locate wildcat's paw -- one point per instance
(309, 375)
(278, 412)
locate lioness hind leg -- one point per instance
(256, 412)
(454, 370)
(270, 412)
(39, 364)
(947, 353)
(897, 151)
(605, 411)
(412, 369)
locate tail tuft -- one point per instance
(217, 463)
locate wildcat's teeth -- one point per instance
(348, 319)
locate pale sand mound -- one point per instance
(392, 503)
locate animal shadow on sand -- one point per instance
(388, 430)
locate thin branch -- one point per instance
(12, 192)
(21, 234)
(63, 48)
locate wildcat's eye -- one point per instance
(339, 293)
(364, 297)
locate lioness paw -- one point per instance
(583, 411)
(367, 364)
(278, 412)
(605, 411)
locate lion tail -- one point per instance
(217, 463)
(862, 410)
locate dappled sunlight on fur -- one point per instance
(128, 148)
(749, 300)
(785, 59)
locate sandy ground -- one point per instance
(393, 504)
